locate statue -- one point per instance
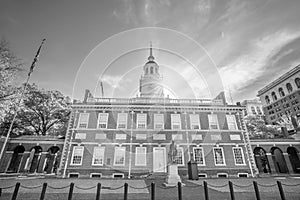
(172, 153)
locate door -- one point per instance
(159, 159)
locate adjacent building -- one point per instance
(282, 96)
(130, 137)
(253, 107)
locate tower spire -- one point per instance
(151, 57)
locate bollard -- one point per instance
(71, 191)
(14, 197)
(42, 197)
(205, 190)
(125, 191)
(179, 191)
(0, 192)
(231, 190)
(256, 190)
(152, 191)
(98, 191)
(281, 190)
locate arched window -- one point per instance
(147, 70)
(253, 110)
(274, 96)
(151, 70)
(289, 87)
(267, 99)
(297, 81)
(156, 70)
(281, 92)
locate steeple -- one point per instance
(151, 57)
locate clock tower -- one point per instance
(151, 80)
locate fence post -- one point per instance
(14, 197)
(42, 197)
(152, 191)
(71, 191)
(231, 190)
(179, 191)
(205, 190)
(281, 190)
(125, 191)
(98, 191)
(256, 190)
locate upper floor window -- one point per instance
(289, 87)
(281, 92)
(119, 158)
(273, 94)
(219, 156)
(179, 158)
(98, 156)
(238, 156)
(140, 156)
(102, 120)
(158, 121)
(83, 120)
(258, 110)
(253, 110)
(297, 81)
(151, 70)
(77, 155)
(267, 99)
(231, 121)
(141, 121)
(213, 121)
(175, 121)
(147, 70)
(199, 155)
(195, 121)
(122, 121)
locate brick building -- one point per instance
(130, 137)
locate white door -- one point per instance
(159, 159)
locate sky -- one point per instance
(201, 46)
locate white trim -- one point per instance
(102, 152)
(73, 173)
(126, 120)
(174, 117)
(182, 152)
(141, 119)
(229, 118)
(72, 159)
(213, 118)
(200, 175)
(157, 122)
(117, 174)
(221, 174)
(243, 174)
(223, 156)
(242, 152)
(144, 156)
(197, 123)
(91, 175)
(106, 120)
(79, 120)
(120, 149)
(199, 164)
(80, 136)
(154, 158)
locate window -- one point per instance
(98, 156)
(196, 136)
(297, 81)
(175, 121)
(216, 137)
(100, 136)
(77, 155)
(273, 94)
(158, 121)
(119, 156)
(73, 175)
(83, 120)
(102, 120)
(235, 137)
(122, 121)
(157, 136)
(179, 160)
(195, 121)
(258, 110)
(253, 110)
(80, 136)
(231, 122)
(219, 156)
(141, 136)
(213, 122)
(177, 136)
(238, 155)
(199, 155)
(140, 156)
(141, 121)
(281, 92)
(289, 87)
(267, 99)
(121, 136)
(151, 70)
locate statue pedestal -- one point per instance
(173, 178)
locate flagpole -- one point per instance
(20, 99)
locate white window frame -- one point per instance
(80, 136)
(121, 136)
(100, 138)
(223, 156)
(91, 175)
(242, 152)
(85, 122)
(74, 149)
(102, 116)
(182, 155)
(197, 123)
(231, 120)
(141, 119)
(222, 174)
(194, 156)
(73, 173)
(141, 136)
(174, 118)
(120, 150)
(159, 122)
(213, 120)
(177, 136)
(102, 151)
(141, 157)
(118, 121)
